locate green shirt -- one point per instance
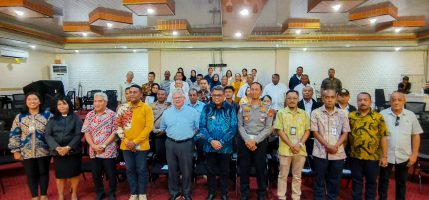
(287, 120)
(366, 134)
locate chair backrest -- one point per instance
(4, 141)
(112, 98)
(380, 99)
(18, 97)
(416, 107)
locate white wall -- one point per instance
(262, 60)
(19, 75)
(104, 71)
(361, 71)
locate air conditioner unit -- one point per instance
(60, 72)
(11, 55)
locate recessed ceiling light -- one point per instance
(244, 12)
(304, 49)
(84, 34)
(372, 21)
(124, 47)
(348, 45)
(134, 50)
(19, 13)
(336, 7)
(298, 31)
(33, 46)
(277, 45)
(238, 35)
(397, 30)
(76, 51)
(397, 48)
(175, 33)
(109, 25)
(150, 11)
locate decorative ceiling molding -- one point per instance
(330, 6)
(26, 8)
(332, 37)
(151, 7)
(110, 18)
(300, 25)
(82, 28)
(32, 33)
(402, 24)
(376, 13)
(173, 27)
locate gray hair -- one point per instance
(102, 95)
(308, 87)
(130, 72)
(178, 91)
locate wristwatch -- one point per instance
(103, 145)
(300, 144)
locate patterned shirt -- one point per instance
(100, 127)
(330, 126)
(147, 90)
(366, 134)
(166, 85)
(27, 135)
(218, 124)
(158, 109)
(294, 124)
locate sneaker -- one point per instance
(142, 197)
(134, 197)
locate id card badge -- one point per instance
(32, 129)
(334, 131)
(292, 130)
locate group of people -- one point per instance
(220, 115)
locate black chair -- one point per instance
(72, 96)
(5, 156)
(417, 108)
(18, 101)
(422, 166)
(380, 100)
(158, 164)
(112, 97)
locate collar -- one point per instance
(287, 109)
(346, 108)
(324, 109)
(140, 104)
(104, 112)
(307, 102)
(358, 113)
(212, 105)
(393, 114)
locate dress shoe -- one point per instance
(224, 197)
(211, 197)
(174, 197)
(188, 197)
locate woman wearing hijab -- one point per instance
(215, 81)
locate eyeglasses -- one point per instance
(217, 95)
(292, 98)
(397, 121)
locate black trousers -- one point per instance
(218, 164)
(108, 166)
(368, 169)
(258, 158)
(401, 174)
(327, 178)
(179, 160)
(37, 171)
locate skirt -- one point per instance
(67, 166)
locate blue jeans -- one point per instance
(327, 172)
(137, 172)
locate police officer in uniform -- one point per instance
(158, 137)
(255, 121)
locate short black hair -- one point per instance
(63, 99)
(244, 69)
(26, 110)
(218, 88)
(366, 93)
(153, 73)
(127, 88)
(276, 75)
(200, 75)
(136, 86)
(255, 70)
(292, 91)
(229, 88)
(300, 67)
(257, 83)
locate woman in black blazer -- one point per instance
(64, 139)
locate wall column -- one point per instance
(282, 65)
(154, 62)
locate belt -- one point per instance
(180, 141)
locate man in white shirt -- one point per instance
(185, 88)
(242, 91)
(255, 77)
(178, 84)
(305, 81)
(277, 92)
(403, 145)
(129, 82)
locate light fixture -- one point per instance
(397, 48)
(134, 50)
(84, 34)
(336, 7)
(109, 25)
(33, 46)
(150, 11)
(348, 45)
(277, 45)
(304, 49)
(19, 13)
(175, 33)
(397, 30)
(372, 21)
(238, 34)
(76, 51)
(244, 12)
(298, 31)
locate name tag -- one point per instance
(252, 137)
(32, 129)
(333, 131)
(292, 130)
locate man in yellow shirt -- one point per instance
(134, 122)
(293, 125)
(236, 84)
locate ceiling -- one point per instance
(208, 22)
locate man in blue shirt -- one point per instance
(193, 100)
(218, 124)
(180, 123)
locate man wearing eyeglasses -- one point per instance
(368, 147)
(403, 145)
